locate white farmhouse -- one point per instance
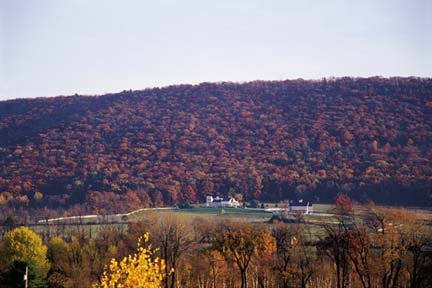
(299, 206)
(218, 202)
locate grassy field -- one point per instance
(91, 225)
(208, 213)
(77, 230)
(252, 214)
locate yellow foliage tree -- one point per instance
(138, 270)
(22, 244)
(23, 247)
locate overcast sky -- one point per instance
(63, 47)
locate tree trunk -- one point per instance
(243, 278)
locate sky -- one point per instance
(63, 47)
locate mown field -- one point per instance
(89, 226)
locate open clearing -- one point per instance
(91, 225)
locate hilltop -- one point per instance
(267, 140)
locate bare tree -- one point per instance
(174, 236)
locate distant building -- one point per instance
(218, 202)
(300, 206)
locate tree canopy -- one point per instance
(137, 270)
(23, 247)
(368, 138)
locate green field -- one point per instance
(90, 226)
(207, 213)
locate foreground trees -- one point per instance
(75, 263)
(379, 248)
(242, 244)
(359, 247)
(405, 247)
(173, 235)
(294, 256)
(138, 270)
(23, 248)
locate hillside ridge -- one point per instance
(266, 140)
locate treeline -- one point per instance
(369, 138)
(375, 248)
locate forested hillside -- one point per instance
(369, 138)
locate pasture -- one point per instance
(90, 226)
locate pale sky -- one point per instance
(63, 47)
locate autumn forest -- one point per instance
(368, 138)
